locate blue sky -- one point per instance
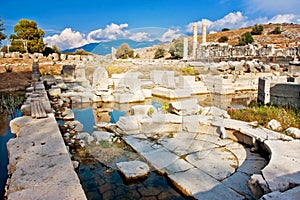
(69, 23)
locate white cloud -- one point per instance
(140, 36)
(238, 20)
(287, 18)
(170, 35)
(111, 32)
(66, 39)
(273, 7)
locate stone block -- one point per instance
(133, 169)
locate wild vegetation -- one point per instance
(2, 35)
(124, 52)
(245, 39)
(9, 102)
(263, 114)
(176, 49)
(257, 29)
(159, 53)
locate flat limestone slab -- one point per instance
(195, 182)
(283, 168)
(160, 158)
(217, 162)
(133, 169)
(39, 162)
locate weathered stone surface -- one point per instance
(220, 168)
(186, 107)
(160, 159)
(238, 182)
(68, 114)
(100, 135)
(282, 172)
(258, 186)
(143, 110)
(85, 136)
(54, 92)
(133, 169)
(40, 171)
(287, 195)
(214, 111)
(274, 125)
(293, 132)
(196, 183)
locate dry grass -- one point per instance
(263, 114)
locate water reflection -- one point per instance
(5, 135)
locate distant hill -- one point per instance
(104, 48)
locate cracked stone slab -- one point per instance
(283, 168)
(160, 159)
(218, 162)
(198, 184)
(238, 182)
(133, 169)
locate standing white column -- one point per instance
(185, 48)
(195, 39)
(203, 33)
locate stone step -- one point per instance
(37, 109)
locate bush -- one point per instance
(176, 49)
(223, 39)
(159, 53)
(124, 52)
(276, 30)
(8, 69)
(245, 39)
(257, 29)
(225, 29)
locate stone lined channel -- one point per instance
(101, 180)
(98, 174)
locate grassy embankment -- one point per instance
(263, 114)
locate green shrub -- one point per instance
(257, 29)
(223, 39)
(245, 39)
(225, 29)
(276, 30)
(159, 53)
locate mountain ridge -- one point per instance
(104, 48)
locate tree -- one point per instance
(245, 39)
(2, 35)
(176, 49)
(257, 29)
(223, 39)
(159, 53)
(27, 31)
(225, 29)
(124, 52)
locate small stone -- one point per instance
(293, 132)
(133, 169)
(274, 125)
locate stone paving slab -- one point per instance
(195, 182)
(283, 168)
(238, 182)
(218, 162)
(160, 159)
(39, 162)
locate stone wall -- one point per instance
(280, 94)
(223, 51)
(285, 94)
